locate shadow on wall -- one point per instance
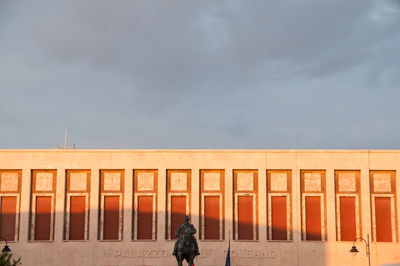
(149, 252)
(114, 252)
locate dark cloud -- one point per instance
(200, 74)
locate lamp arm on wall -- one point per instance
(365, 241)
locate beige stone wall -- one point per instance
(259, 252)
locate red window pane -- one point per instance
(245, 216)
(279, 218)
(43, 218)
(77, 218)
(8, 217)
(178, 212)
(145, 217)
(348, 218)
(313, 218)
(111, 218)
(383, 219)
(211, 213)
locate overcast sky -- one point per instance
(267, 74)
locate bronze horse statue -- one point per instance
(186, 247)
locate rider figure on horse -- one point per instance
(185, 227)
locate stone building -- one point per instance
(278, 207)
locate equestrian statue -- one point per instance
(186, 247)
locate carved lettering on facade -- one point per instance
(212, 181)
(382, 182)
(78, 181)
(134, 253)
(178, 181)
(145, 181)
(253, 253)
(44, 181)
(312, 182)
(278, 182)
(112, 181)
(245, 181)
(347, 182)
(9, 182)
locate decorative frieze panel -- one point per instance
(43, 204)
(212, 181)
(9, 181)
(112, 181)
(278, 181)
(383, 206)
(145, 205)
(279, 211)
(245, 181)
(245, 204)
(382, 182)
(78, 181)
(312, 182)
(346, 181)
(10, 196)
(179, 181)
(44, 181)
(212, 204)
(145, 181)
(313, 205)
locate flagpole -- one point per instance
(228, 254)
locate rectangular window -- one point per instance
(145, 210)
(111, 204)
(77, 218)
(279, 222)
(212, 204)
(43, 217)
(178, 199)
(77, 205)
(279, 204)
(43, 201)
(348, 229)
(348, 212)
(246, 221)
(313, 205)
(10, 194)
(8, 217)
(212, 217)
(383, 205)
(145, 205)
(383, 219)
(245, 204)
(313, 218)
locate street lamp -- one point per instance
(6, 248)
(354, 249)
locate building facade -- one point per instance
(278, 207)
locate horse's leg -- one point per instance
(179, 259)
(190, 260)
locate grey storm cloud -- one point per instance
(200, 74)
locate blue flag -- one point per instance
(228, 255)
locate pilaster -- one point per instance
(25, 205)
(59, 210)
(128, 200)
(94, 204)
